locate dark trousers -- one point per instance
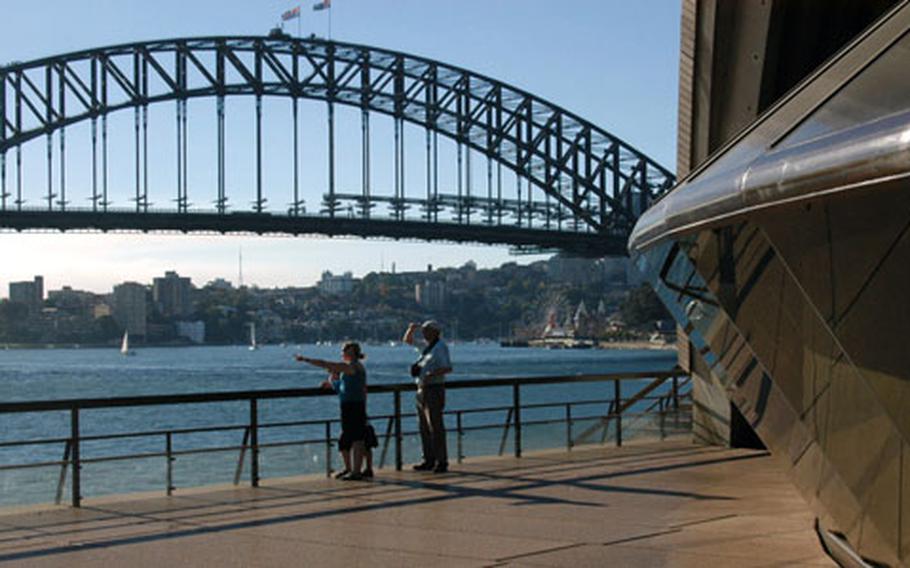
(431, 400)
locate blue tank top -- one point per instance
(351, 388)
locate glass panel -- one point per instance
(762, 337)
(879, 90)
(849, 257)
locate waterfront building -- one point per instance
(584, 324)
(159, 332)
(341, 284)
(102, 310)
(191, 330)
(431, 294)
(129, 307)
(462, 278)
(172, 295)
(220, 284)
(553, 330)
(28, 293)
(72, 301)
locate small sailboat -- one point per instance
(253, 345)
(125, 345)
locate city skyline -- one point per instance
(255, 274)
(172, 310)
(631, 97)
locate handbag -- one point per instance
(370, 440)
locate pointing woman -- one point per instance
(348, 379)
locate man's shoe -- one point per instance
(367, 473)
(425, 466)
(441, 468)
(352, 476)
(342, 473)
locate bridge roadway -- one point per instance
(648, 504)
(579, 243)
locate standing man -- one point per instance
(429, 371)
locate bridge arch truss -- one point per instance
(593, 184)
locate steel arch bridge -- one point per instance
(571, 185)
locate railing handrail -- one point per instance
(316, 422)
(228, 396)
(73, 461)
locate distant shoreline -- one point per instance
(572, 344)
(74, 346)
(641, 345)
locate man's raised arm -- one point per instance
(409, 333)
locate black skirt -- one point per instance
(353, 424)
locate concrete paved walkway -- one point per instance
(660, 504)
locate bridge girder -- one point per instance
(590, 245)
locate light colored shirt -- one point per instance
(435, 359)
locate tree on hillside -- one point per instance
(13, 317)
(642, 307)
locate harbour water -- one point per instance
(89, 373)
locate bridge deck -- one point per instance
(643, 505)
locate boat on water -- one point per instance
(253, 345)
(125, 345)
(784, 259)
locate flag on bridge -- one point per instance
(322, 5)
(291, 14)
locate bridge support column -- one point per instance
(331, 119)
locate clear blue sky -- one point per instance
(613, 62)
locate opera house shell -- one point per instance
(785, 257)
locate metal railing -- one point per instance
(645, 401)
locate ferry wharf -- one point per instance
(668, 503)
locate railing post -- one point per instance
(243, 445)
(328, 448)
(77, 464)
(675, 393)
(516, 404)
(169, 451)
(398, 457)
(254, 443)
(617, 398)
(460, 434)
(385, 441)
(65, 464)
(505, 430)
(569, 427)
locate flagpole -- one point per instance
(330, 22)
